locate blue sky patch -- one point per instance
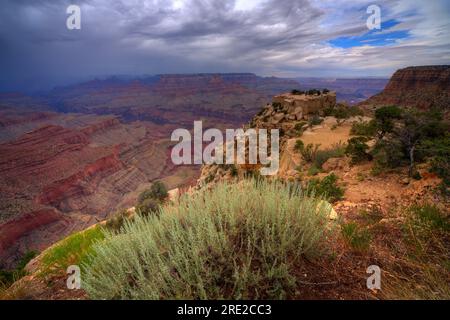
(376, 38)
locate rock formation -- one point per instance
(420, 87)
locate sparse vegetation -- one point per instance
(277, 106)
(358, 238)
(73, 250)
(221, 244)
(157, 191)
(117, 220)
(314, 170)
(357, 149)
(364, 128)
(335, 151)
(403, 135)
(327, 188)
(7, 277)
(308, 152)
(315, 120)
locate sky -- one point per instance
(285, 38)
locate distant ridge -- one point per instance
(421, 87)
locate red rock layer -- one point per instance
(14, 229)
(420, 87)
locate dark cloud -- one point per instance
(269, 37)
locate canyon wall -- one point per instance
(420, 87)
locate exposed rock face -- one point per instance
(287, 113)
(303, 105)
(14, 229)
(287, 108)
(73, 157)
(420, 87)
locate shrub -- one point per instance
(328, 111)
(308, 152)
(384, 119)
(427, 229)
(314, 170)
(315, 120)
(157, 191)
(357, 237)
(325, 91)
(357, 149)
(438, 150)
(299, 126)
(356, 111)
(313, 92)
(341, 112)
(364, 128)
(277, 106)
(388, 154)
(8, 277)
(148, 206)
(235, 241)
(335, 151)
(117, 220)
(431, 215)
(297, 92)
(327, 188)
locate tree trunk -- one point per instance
(411, 160)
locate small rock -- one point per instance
(405, 181)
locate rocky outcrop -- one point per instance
(287, 113)
(288, 110)
(303, 105)
(420, 87)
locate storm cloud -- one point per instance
(268, 37)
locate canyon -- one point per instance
(73, 156)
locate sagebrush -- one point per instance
(235, 241)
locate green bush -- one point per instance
(388, 154)
(438, 150)
(277, 106)
(315, 120)
(357, 149)
(297, 92)
(364, 128)
(327, 188)
(235, 241)
(117, 220)
(157, 191)
(314, 170)
(148, 206)
(357, 237)
(299, 126)
(384, 119)
(308, 152)
(341, 112)
(427, 229)
(431, 215)
(313, 92)
(335, 151)
(8, 277)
